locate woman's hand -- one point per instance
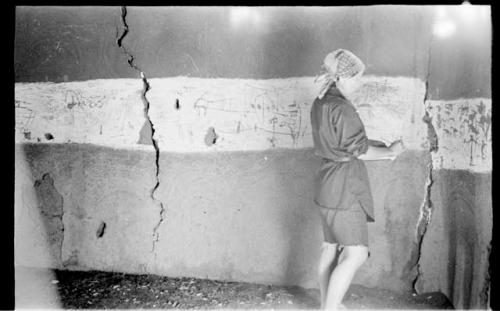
(397, 147)
(383, 153)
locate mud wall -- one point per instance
(178, 145)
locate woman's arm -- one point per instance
(381, 152)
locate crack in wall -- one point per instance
(426, 208)
(485, 293)
(422, 224)
(119, 40)
(148, 125)
(62, 232)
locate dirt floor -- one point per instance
(106, 290)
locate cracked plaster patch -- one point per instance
(52, 209)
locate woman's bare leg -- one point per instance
(351, 258)
(325, 268)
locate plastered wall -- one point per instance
(240, 114)
(180, 146)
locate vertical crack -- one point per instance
(423, 223)
(148, 125)
(130, 59)
(62, 232)
(485, 293)
(426, 208)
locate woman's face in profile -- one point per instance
(350, 85)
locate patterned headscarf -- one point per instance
(339, 63)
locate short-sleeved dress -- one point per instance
(342, 190)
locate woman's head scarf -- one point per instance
(339, 63)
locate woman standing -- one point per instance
(342, 191)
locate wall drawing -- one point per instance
(24, 116)
(464, 133)
(275, 113)
(76, 98)
(106, 112)
(246, 114)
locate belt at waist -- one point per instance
(345, 159)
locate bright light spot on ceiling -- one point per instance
(443, 24)
(245, 16)
(444, 28)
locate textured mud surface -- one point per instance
(105, 290)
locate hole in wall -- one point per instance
(27, 135)
(100, 231)
(211, 137)
(49, 136)
(177, 104)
